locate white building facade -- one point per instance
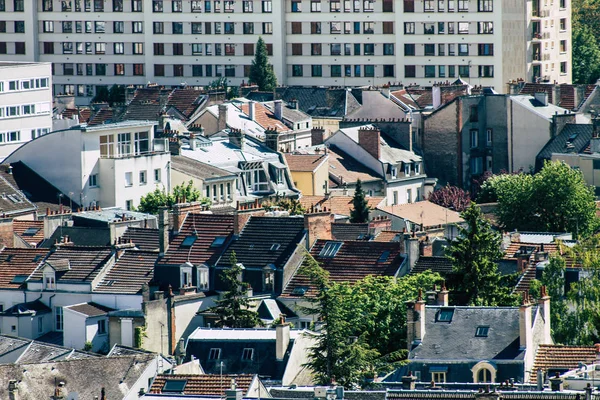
(25, 103)
(111, 165)
(311, 42)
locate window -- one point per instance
(486, 71)
(93, 180)
(176, 6)
(102, 327)
(157, 6)
(409, 49)
(315, 5)
(107, 145)
(330, 249)
(177, 49)
(316, 70)
(563, 46)
(315, 28)
(388, 49)
(563, 67)
(19, 47)
(137, 27)
(464, 71)
(296, 6)
(159, 49)
(138, 69)
(485, 28)
(136, 5)
(297, 70)
(99, 27)
(428, 5)
(429, 29)
(177, 28)
(203, 275)
(138, 48)
(369, 49)
(445, 315)
(315, 49)
(248, 6)
(430, 71)
(157, 175)
(429, 49)
(58, 319)
(19, 26)
(117, 5)
(409, 28)
(49, 279)
(267, 28)
(247, 354)
(409, 71)
(463, 28)
(484, 375)
(19, 5)
(267, 6)
(368, 27)
(485, 5)
(336, 71)
(228, 6)
(100, 48)
(248, 28)
(482, 331)
(463, 5)
(214, 354)
(46, 5)
(463, 49)
(388, 70)
(128, 178)
(486, 49)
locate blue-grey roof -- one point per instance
(456, 340)
(573, 138)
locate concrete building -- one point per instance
(104, 165)
(350, 43)
(25, 103)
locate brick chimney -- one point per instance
(556, 383)
(525, 331)
(378, 225)
(544, 305)
(317, 135)
(370, 140)
(442, 296)
(317, 226)
(236, 138)
(60, 393)
(163, 230)
(13, 390)
(415, 320)
(411, 247)
(282, 338)
(243, 214)
(222, 117)
(272, 139)
(426, 248)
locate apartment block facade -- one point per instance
(25, 103)
(311, 42)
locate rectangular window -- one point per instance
(464, 71)
(430, 71)
(409, 28)
(19, 47)
(267, 6)
(442, 71)
(118, 27)
(157, 175)
(159, 49)
(485, 5)
(409, 71)
(463, 49)
(138, 48)
(297, 70)
(463, 28)
(315, 49)
(473, 114)
(177, 28)
(474, 137)
(197, 49)
(128, 179)
(143, 178)
(316, 70)
(485, 28)
(315, 28)
(267, 28)
(336, 72)
(138, 69)
(248, 28)
(489, 136)
(117, 5)
(463, 5)
(158, 27)
(177, 49)
(430, 49)
(486, 49)
(137, 27)
(388, 49)
(368, 27)
(93, 180)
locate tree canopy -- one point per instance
(451, 197)
(261, 72)
(153, 201)
(234, 309)
(360, 206)
(586, 55)
(474, 254)
(556, 199)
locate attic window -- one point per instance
(445, 315)
(330, 249)
(384, 256)
(275, 247)
(19, 279)
(174, 385)
(189, 241)
(214, 354)
(247, 354)
(218, 242)
(482, 331)
(9, 257)
(299, 291)
(31, 231)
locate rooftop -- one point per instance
(391, 152)
(30, 232)
(226, 334)
(112, 214)
(200, 385)
(90, 309)
(145, 239)
(346, 231)
(554, 357)
(441, 265)
(573, 138)
(534, 105)
(264, 117)
(17, 264)
(31, 308)
(85, 263)
(198, 169)
(339, 205)
(131, 271)
(320, 102)
(305, 162)
(424, 213)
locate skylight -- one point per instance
(299, 291)
(445, 315)
(189, 241)
(275, 247)
(330, 249)
(9, 257)
(31, 231)
(248, 354)
(482, 331)
(218, 242)
(19, 279)
(384, 256)
(174, 385)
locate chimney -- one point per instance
(272, 139)
(409, 381)
(595, 144)
(411, 246)
(442, 296)
(588, 391)
(544, 305)
(193, 141)
(525, 332)
(222, 118)
(236, 138)
(278, 109)
(293, 104)
(369, 139)
(317, 226)
(13, 390)
(542, 97)
(163, 229)
(556, 384)
(103, 394)
(282, 338)
(426, 248)
(436, 94)
(378, 225)
(60, 393)
(233, 393)
(252, 110)
(386, 92)
(419, 325)
(317, 136)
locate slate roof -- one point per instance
(292, 115)
(34, 307)
(343, 168)
(558, 357)
(206, 227)
(345, 231)
(144, 238)
(146, 104)
(12, 200)
(340, 205)
(132, 269)
(186, 100)
(198, 169)
(572, 138)
(31, 232)
(441, 265)
(253, 248)
(204, 385)
(80, 236)
(354, 260)
(424, 213)
(322, 102)
(117, 375)
(85, 263)
(17, 264)
(376, 106)
(90, 309)
(391, 152)
(304, 162)
(456, 340)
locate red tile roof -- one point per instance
(20, 228)
(143, 238)
(565, 91)
(513, 250)
(441, 265)
(559, 357)
(185, 100)
(84, 263)
(264, 117)
(343, 166)
(340, 205)
(304, 162)
(132, 269)
(354, 261)
(18, 262)
(103, 115)
(204, 385)
(206, 227)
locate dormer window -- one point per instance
(445, 315)
(394, 172)
(214, 354)
(417, 168)
(203, 275)
(406, 169)
(49, 279)
(330, 249)
(268, 278)
(247, 354)
(218, 242)
(185, 274)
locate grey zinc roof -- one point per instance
(391, 152)
(577, 135)
(456, 340)
(198, 169)
(322, 102)
(376, 106)
(532, 104)
(12, 200)
(289, 113)
(80, 236)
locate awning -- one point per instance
(438, 368)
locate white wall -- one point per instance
(348, 145)
(530, 133)
(75, 332)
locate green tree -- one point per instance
(474, 254)
(360, 210)
(116, 95)
(233, 310)
(102, 95)
(586, 55)
(182, 193)
(261, 72)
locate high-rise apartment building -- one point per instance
(311, 42)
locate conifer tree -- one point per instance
(360, 211)
(261, 72)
